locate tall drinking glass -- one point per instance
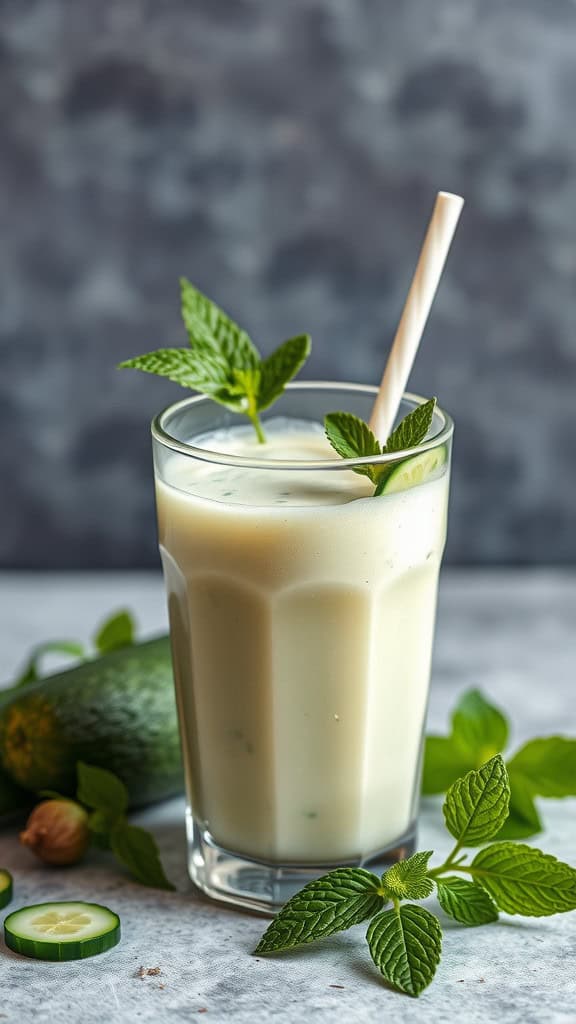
(302, 618)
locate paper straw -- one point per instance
(426, 278)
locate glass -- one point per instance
(302, 640)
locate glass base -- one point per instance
(264, 887)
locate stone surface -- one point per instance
(509, 633)
(285, 156)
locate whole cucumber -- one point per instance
(14, 801)
(117, 711)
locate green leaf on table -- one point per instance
(352, 438)
(136, 849)
(465, 901)
(478, 728)
(548, 766)
(406, 944)
(412, 430)
(476, 806)
(523, 819)
(101, 824)
(101, 790)
(330, 904)
(408, 879)
(118, 631)
(31, 672)
(522, 880)
(444, 762)
(280, 367)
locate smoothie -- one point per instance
(302, 617)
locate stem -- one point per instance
(255, 421)
(450, 863)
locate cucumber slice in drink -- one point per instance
(5, 887)
(414, 471)
(62, 931)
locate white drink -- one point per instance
(302, 616)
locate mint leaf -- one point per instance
(522, 880)
(280, 367)
(116, 632)
(101, 824)
(548, 766)
(523, 819)
(476, 806)
(444, 762)
(330, 904)
(406, 944)
(100, 789)
(352, 439)
(479, 729)
(206, 371)
(412, 430)
(209, 327)
(408, 878)
(31, 672)
(465, 901)
(136, 849)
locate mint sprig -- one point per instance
(352, 438)
(116, 631)
(223, 361)
(542, 767)
(405, 940)
(106, 797)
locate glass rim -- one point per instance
(163, 436)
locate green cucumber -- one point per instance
(14, 801)
(413, 471)
(6, 888)
(62, 931)
(116, 712)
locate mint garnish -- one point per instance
(476, 806)
(405, 940)
(331, 904)
(408, 879)
(31, 672)
(465, 901)
(543, 767)
(222, 360)
(406, 945)
(547, 766)
(107, 798)
(522, 880)
(116, 632)
(352, 438)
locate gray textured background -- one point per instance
(284, 155)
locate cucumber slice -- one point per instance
(414, 471)
(62, 931)
(5, 887)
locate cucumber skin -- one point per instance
(14, 801)
(61, 951)
(117, 712)
(7, 893)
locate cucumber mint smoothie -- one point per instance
(302, 616)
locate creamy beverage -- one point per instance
(302, 616)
